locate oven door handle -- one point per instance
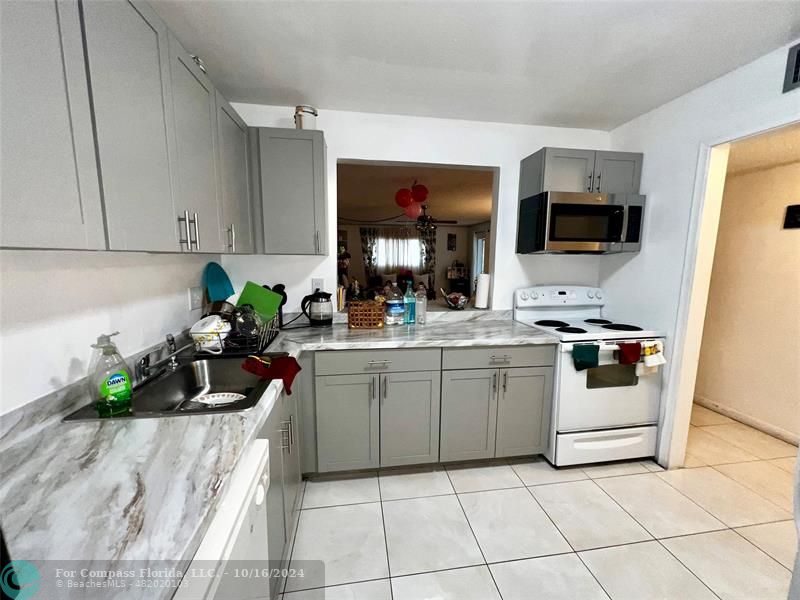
(608, 347)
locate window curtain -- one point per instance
(428, 241)
(369, 246)
(397, 249)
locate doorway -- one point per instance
(745, 321)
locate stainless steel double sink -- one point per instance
(179, 392)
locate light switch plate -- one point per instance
(195, 298)
(317, 283)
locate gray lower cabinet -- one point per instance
(409, 417)
(233, 180)
(347, 422)
(292, 191)
(292, 475)
(523, 411)
(194, 110)
(277, 436)
(50, 190)
(128, 61)
(285, 486)
(469, 414)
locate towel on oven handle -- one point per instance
(585, 356)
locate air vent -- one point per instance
(792, 79)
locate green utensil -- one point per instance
(263, 301)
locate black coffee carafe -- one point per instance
(318, 308)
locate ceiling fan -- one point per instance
(427, 222)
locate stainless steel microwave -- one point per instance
(580, 222)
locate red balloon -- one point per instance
(419, 192)
(403, 197)
(413, 211)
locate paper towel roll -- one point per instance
(482, 291)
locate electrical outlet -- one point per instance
(195, 298)
(317, 284)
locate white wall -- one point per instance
(651, 287)
(366, 136)
(54, 304)
(750, 357)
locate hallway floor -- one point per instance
(514, 530)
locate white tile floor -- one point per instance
(514, 530)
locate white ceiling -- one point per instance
(576, 64)
(777, 147)
(365, 192)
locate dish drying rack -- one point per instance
(237, 344)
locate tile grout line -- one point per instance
(472, 531)
(742, 483)
(605, 591)
(658, 541)
(764, 552)
(385, 538)
(767, 500)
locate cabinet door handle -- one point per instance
(505, 381)
(599, 176)
(378, 363)
(188, 239)
(494, 383)
(291, 432)
(591, 182)
(385, 387)
(285, 437)
(372, 389)
(316, 241)
(233, 237)
(196, 233)
(506, 358)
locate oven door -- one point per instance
(580, 222)
(609, 395)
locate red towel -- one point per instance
(281, 367)
(629, 354)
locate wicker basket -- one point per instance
(365, 314)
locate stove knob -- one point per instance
(598, 294)
(534, 295)
(590, 294)
(523, 295)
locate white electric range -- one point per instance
(603, 413)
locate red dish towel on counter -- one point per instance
(629, 354)
(281, 367)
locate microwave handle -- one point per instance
(625, 215)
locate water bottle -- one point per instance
(395, 311)
(421, 298)
(410, 301)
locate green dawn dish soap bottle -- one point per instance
(109, 379)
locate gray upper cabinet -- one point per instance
(469, 414)
(568, 170)
(293, 187)
(194, 109)
(50, 190)
(409, 415)
(233, 180)
(347, 422)
(576, 170)
(617, 172)
(523, 411)
(128, 60)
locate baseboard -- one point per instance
(768, 428)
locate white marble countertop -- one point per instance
(146, 489)
(430, 335)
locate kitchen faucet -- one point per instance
(143, 366)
